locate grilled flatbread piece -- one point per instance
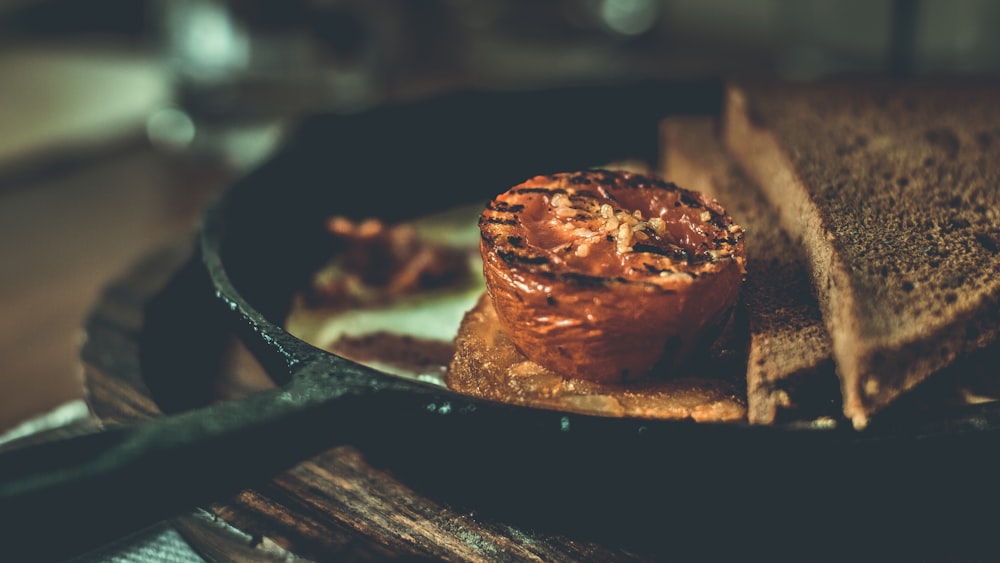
(488, 365)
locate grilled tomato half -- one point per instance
(608, 276)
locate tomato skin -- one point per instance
(635, 299)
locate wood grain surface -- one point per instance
(334, 506)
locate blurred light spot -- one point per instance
(170, 128)
(629, 17)
(208, 39)
(246, 146)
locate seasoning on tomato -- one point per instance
(609, 276)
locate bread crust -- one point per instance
(891, 189)
(790, 370)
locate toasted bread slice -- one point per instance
(488, 365)
(891, 187)
(790, 371)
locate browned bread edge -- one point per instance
(790, 371)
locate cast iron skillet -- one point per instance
(626, 478)
(918, 486)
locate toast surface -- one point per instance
(488, 365)
(893, 190)
(790, 372)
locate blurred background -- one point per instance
(181, 68)
(121, 118)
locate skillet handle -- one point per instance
(87, 490)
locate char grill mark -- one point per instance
(637, 183)
(500, 221)
(584, 279)
(582, 196)
(520, 191)
(512, 257)
(504, 207)
(674, 253)
(690, 201)
(587, 280)
(718, 221)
